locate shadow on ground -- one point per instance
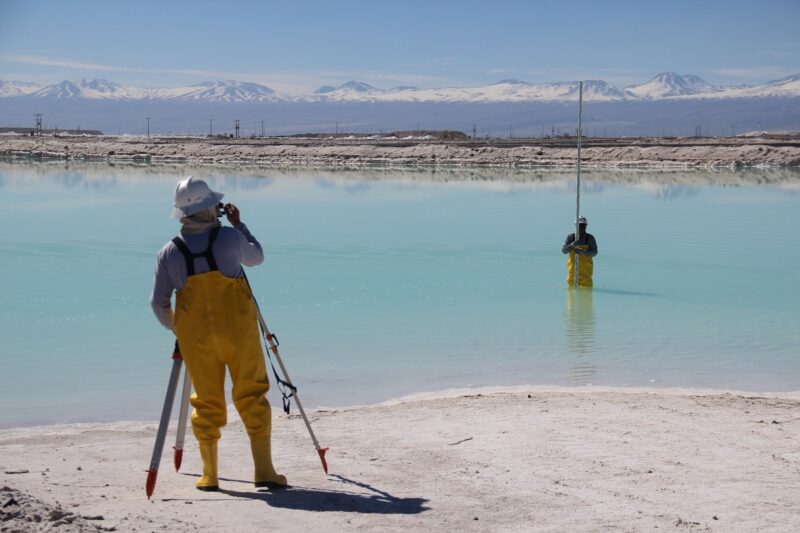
(307, 499)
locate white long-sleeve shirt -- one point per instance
(233, 248)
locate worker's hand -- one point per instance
(232, 212)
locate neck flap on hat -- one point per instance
(200, 222)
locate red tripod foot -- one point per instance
(321, 452)
(150, 486)
(177, 458)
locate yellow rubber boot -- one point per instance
(265, 475)
(208, 453)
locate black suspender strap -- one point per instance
(209, 254)
(189, 257)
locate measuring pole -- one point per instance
(578, 195)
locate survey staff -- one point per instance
(584, 246)
(215, 320)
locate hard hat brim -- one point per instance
(209, 201)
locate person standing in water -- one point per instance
(216, 322)
(586, 247)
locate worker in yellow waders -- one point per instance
(586, 247)
(216, 324)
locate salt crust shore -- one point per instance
(734, 152)
(521, 459)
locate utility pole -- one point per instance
(148, 128)
(236, 122)
(510, 131)
(210, 127)
(417, 128)
(474, 131)
(38, 117)
(337, 127)
(262, 129)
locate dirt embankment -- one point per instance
(734, 152)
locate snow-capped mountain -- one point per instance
(228, 91)
(347, 91)
(593, 90)
(784, 87)
(99, 89)
(100, 86)
(509, 90)
(665, 86)
(17, 88)
(669, 84)
(358, 87)
(89, 89)
(505, 91)
(59, 91)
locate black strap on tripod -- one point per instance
(283, 385)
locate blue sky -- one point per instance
(296, 46)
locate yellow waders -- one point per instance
(217, 326)
(585, 268)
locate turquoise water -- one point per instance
(383, 287)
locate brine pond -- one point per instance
(384, 283)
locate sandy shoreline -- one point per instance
(542, 460)
(732, 152)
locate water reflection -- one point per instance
(662, 183)
(624, 292)
(669, 191)
(580, 335)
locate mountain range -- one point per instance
(668, 104)
(664, 86)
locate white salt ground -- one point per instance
(544, 460)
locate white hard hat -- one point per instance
(193, 195)
(582, 220)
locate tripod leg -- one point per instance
(183, 416)
(161, 436)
